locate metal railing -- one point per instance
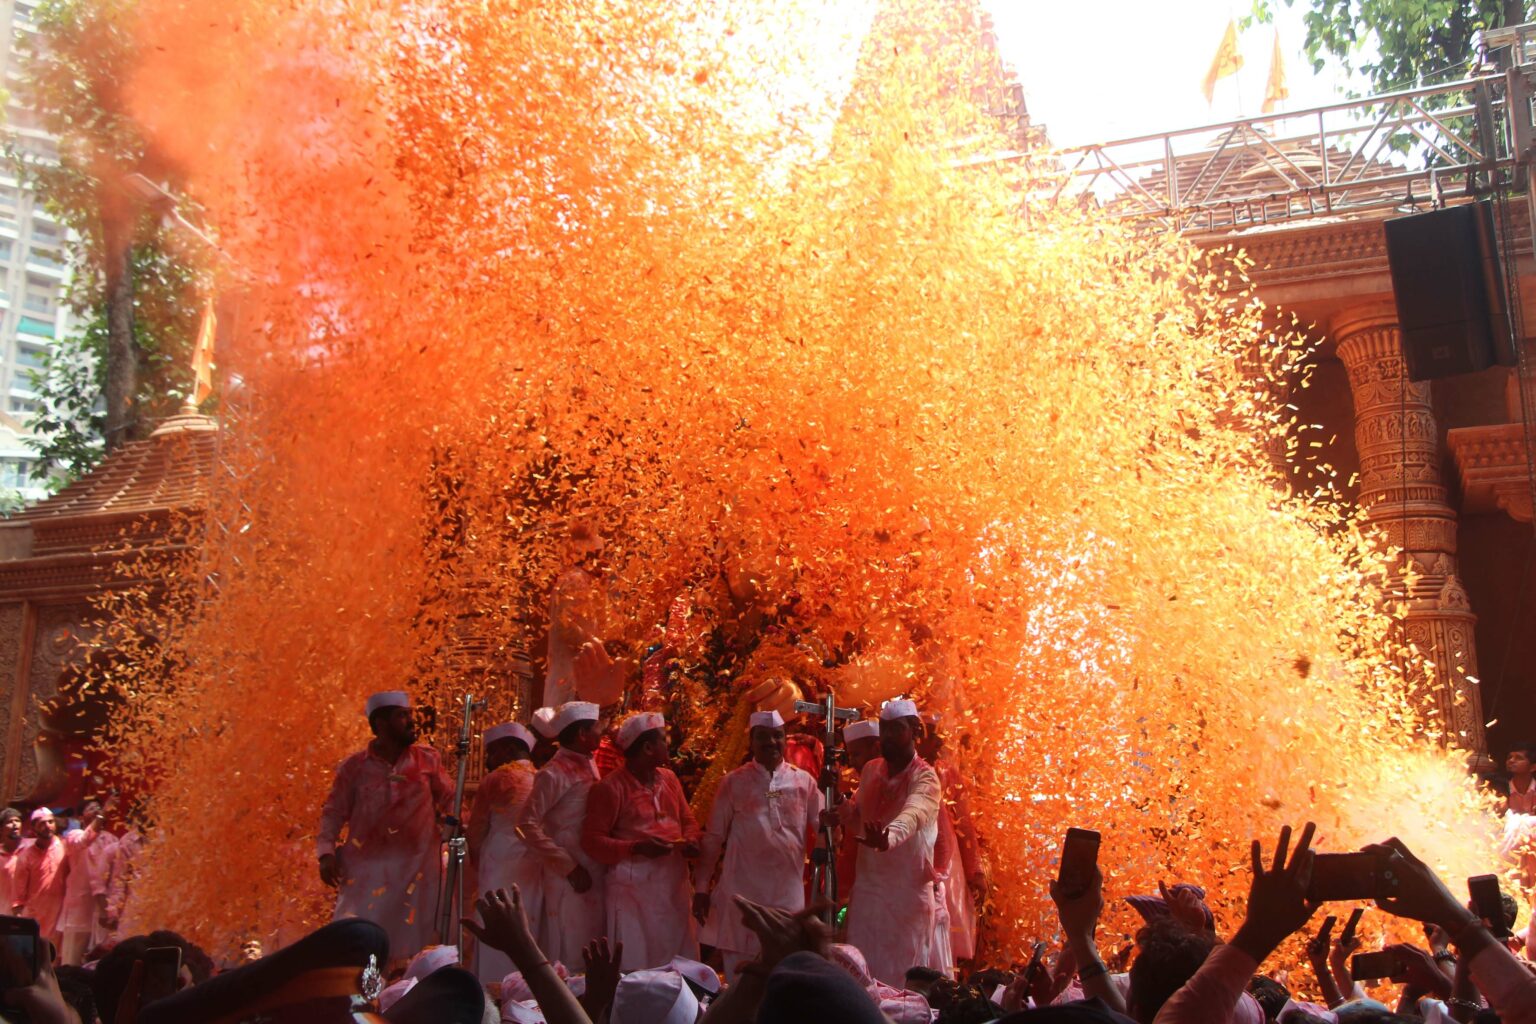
(1397, 150)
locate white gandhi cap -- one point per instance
(509, 730)
(638, 725)
(387, 699)
(865, 729)
(900, 708)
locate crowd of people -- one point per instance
(602, 898)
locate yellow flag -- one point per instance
(1226, 62)
(202, 356)
(1275, 89)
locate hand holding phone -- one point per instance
(1347, 939)
(1375, 966)
(1367, 875)
(1079, 860)
(162, 974)
(1488, 903)
(1317, 949)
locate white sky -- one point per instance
(1111, 69)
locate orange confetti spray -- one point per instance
(787, 346)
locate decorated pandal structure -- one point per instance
(1108, 533)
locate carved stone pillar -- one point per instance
(1402, 494)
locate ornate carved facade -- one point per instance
(1403, 495)
(54, 559)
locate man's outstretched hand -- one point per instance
(875, 838)
(1277, 899)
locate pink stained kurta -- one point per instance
(1519, 840)
(957, 890)
(392, 859)
(10, 868)
(892, 906)
(89, 857)
(764, 822)
(124, 863)
(649, 910)
(501, 858)
(550, 823)
(41, 890)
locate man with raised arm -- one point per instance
(895, 819)
(388, 798)
(764, 818)
(89, 855)
(571, 908)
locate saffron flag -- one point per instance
(1226, 62)
(1275, 89)
(202, 357)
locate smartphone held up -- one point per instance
(1079, 860)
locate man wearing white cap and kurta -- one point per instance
(765, 816)
(500, 856)
(388, 796)
(640, 825)
(861, 742)
(571, 883)
(895, 819)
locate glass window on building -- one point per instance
(31, 356)
(42, 296)
(45, 230)
(7, 249)
(23, 406)
(15, 473)
(8, 201)
(51, 258)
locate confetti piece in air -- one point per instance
(733, 288)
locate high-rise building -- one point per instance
(34, 269)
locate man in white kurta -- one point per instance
(639, 824)
(764, 818)
(89, 855)
(571, 906)
(500, 857)
(895, 817)
(388, 797)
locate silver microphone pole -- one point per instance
(451, 906)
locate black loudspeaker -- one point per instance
(1449, 286)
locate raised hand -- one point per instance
(1186, 907)
(1421, 971)
(1079, 912)
(782, 933)
(506, 928)
(1277, 898)
(603, 970)
(597, 676)
(1420, 893)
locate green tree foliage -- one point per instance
(133, 292)
(1398, 43)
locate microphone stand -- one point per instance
(451, 905)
